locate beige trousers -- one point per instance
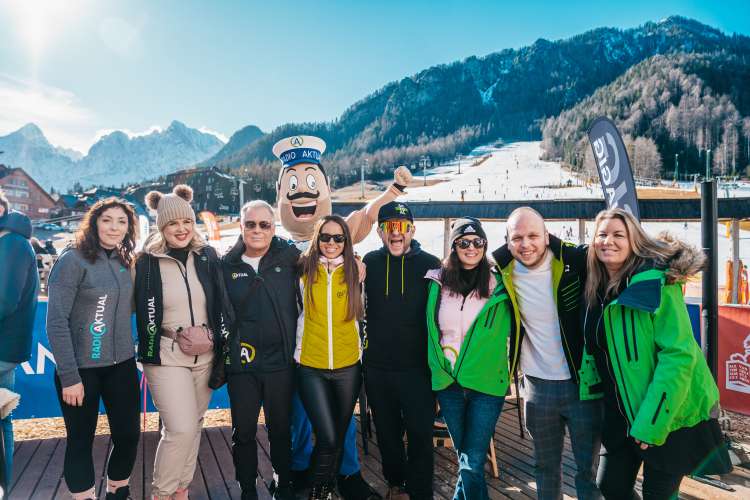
(179, 388)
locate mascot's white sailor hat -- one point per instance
(299, 149)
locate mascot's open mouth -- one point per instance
(306, 211)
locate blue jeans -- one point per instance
(302, 441)
(8, 381)
(471, 417)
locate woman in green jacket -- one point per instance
(468, 320)
(660, 399)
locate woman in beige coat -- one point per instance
(179, 293)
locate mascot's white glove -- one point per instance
(402, 176)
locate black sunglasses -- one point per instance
(264, 225)
(477, 242)
(338, 238)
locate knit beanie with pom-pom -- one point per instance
(171, 206)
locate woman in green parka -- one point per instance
(468, 321)
(660, 399)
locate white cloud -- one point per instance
(64, 120)
(223, 138)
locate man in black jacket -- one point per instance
(397, 377)
(261, 281)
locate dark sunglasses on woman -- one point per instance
(264, 225)
(477, 242)
(338, 238)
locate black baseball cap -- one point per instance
(395, 210)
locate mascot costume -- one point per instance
(303, 193)
(303, 198)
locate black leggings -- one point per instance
(328, 397)
(117, 386)
(247, 392)
(618, 471)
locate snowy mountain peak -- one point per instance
(31, 132)
(116, 158)
(177, 125)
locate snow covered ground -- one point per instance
(514, 172)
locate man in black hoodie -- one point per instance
(397, 378)
(260, 275)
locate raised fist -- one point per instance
(402, 176)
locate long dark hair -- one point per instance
(310, 259)
(87, 237)
(451, 275)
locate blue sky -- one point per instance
(78, 68)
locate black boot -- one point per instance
(121, 493)
(301, 479)
(284, 491)
(354, 487)
(248, 491)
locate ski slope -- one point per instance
(514, 172)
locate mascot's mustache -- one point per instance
(297, 196)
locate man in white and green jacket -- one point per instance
(545, 278)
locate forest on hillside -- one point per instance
(669, 108)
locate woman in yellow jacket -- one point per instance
(328, 346)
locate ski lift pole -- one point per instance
(709, 299)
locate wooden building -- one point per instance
(25, 195)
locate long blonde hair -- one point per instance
(662, 250)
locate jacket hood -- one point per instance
(414, 250)
(687, 260)
(16, 222)
(644, 289)
(435, 275)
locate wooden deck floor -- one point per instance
(38, 467)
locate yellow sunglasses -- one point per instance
(391, 226)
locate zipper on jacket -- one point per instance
(190, 296)
(563, 336)
(625, 333)
(619, 367)
(470, 336)
(490, 318)
(620, 405)
(567, 350)
(518, 332)
(329, 277)
(658, 407)
(114, 321)
(632, 331)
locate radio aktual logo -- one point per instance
(151, 326)
(98, 328)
